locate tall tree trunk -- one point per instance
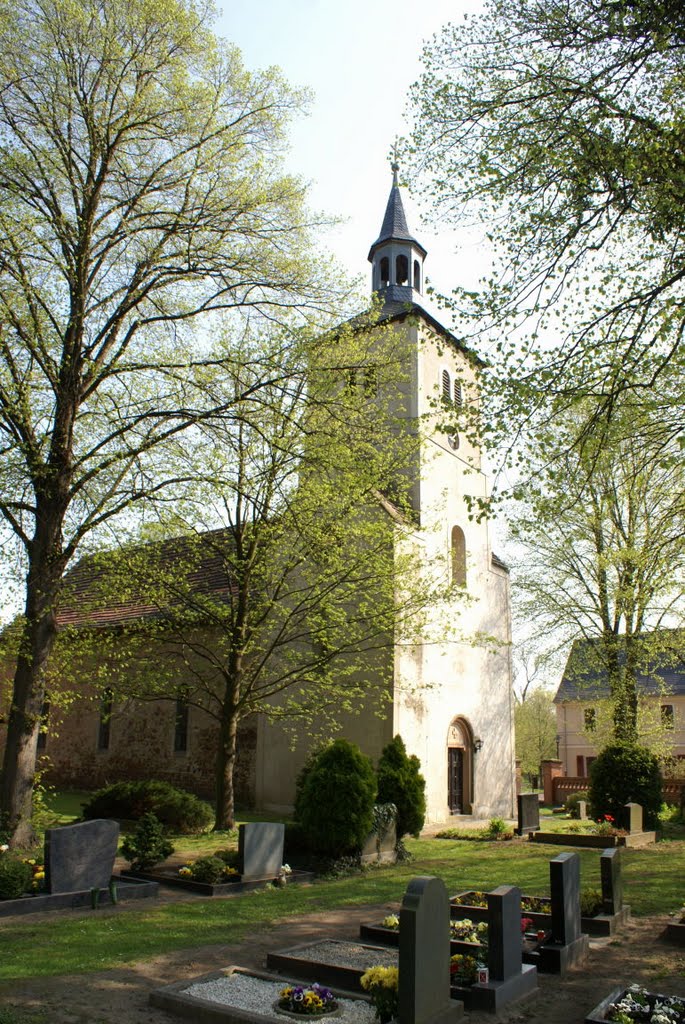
(19, 763)
(225, 764)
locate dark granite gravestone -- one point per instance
(564, 882)
(612, 882)
(260, 849)
(504, 932)
(633, 820)
(80, 857)
(528, 813)
(424, 955)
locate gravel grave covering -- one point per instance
(243, 992)
(346, 954)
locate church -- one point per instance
(451, 694)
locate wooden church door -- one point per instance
(455, 779)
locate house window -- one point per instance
(458, 556)
(580, 766)
(590, 719)
(105, 719)
(181, 724)
(667, 717)
(44, 716)
(446, 387)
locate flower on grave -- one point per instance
(228, 870)
(382, 984)
(285, 869)
(468, 931)
(391, 921)
(526, 924)
(4, 848)
(185, 871)
(310, 999)
(464, 968)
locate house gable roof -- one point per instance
(585, 679)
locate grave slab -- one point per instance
(260, 849)
(80, 857)
(331, 962)
(528, 813)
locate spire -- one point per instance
(396, 256)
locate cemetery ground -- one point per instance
(99, 966)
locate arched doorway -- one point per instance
(459, 767)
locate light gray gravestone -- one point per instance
(582, 810)
(612, 881)
(528, 813)
(633, 818)
(80, 857)
(424, 955)
(564, 881)
(505, 948)
(260, 849)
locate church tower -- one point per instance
(396, 257)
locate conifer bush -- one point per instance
(624, 773)
(401, 783)
(128, 801)
(148, 845)
(335, 803)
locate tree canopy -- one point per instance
(141, 187)
(560, 126)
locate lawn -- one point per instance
(86, 940)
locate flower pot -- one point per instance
(335, 1012)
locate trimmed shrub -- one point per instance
(335, 805)
(15, 877)
(401, 783)
(210, 870)
(148, 845)
(624, 773)
(178, 810)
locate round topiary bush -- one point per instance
(148, 845)
(624, 773)
(401, 783)
(128, 801)
(335, 805)
(15, 877)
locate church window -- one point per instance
(590, 719)
(667, 718)
(417, 276)
(446, 386)
(385, 272)
(181, 724)
(458, 556)
(105, 719)
(401, 270)
(458, 394)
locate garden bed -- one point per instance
(633, 1010)
(332, 963)
(675, 931)
(391, 937)
(33, 903)
(236, 885)
(599, 924)
(588, 840)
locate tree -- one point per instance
(318, 574)
(536, 729)
(401, 783)
(560, 124)
(600, 530)
(140, 186)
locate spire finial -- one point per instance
(395, 165)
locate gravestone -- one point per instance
(633, 819)
(504, 932)
(528, 813)
(564, 881)
(80, 857)
(612, 882)
(582, 810)
(424, 955)
(260, 849)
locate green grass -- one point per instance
(86, 940)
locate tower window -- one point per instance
(458, 556)
(446, 386)
(458, 394)
(667, 719)
(385, 272)
(105, 719)
(401, 270)
(590, 719)
(417, 276)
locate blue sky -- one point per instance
(360, 58)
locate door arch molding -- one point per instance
(460, 766)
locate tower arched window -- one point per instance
(446, 386)
(458, 556)
(384, 272)
(417, 276)
(458, 394)
(401, 270)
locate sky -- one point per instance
(360, 59)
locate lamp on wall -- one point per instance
(557, 738)
(477, 744)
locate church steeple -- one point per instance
(396, 257)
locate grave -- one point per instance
(80, 856)
(424, 955)
(509, 978)
(566, 945)
(260, 849)
(528, 813)
(331, 962)
(582, 810)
